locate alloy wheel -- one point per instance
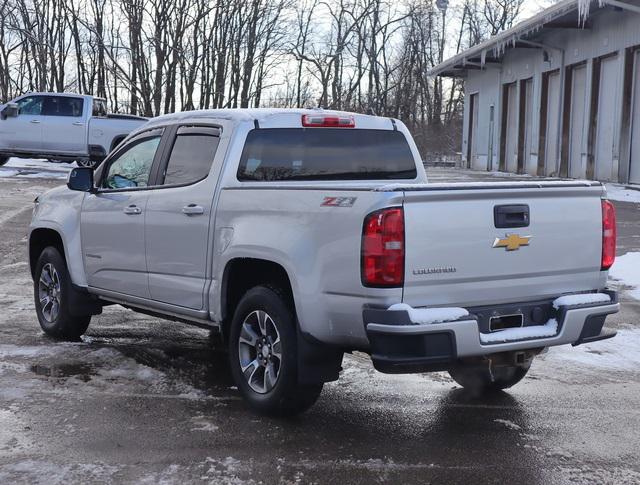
(49, 293)
(260, 351)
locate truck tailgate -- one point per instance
(455, 254)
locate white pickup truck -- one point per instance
(299, 235)
(61, 126)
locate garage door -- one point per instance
(577, 163)
(605, 124)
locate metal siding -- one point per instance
(553, 124)
(511, 133)
(530, 162)
(634, 176)
(473, 132)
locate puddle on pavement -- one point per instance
(79, 370)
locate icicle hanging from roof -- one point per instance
(584, 7)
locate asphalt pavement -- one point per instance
(146, 401)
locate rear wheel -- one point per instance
(484, 378)
(263, 355)
(3, 160)
(53, 293)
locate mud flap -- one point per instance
(317, 362)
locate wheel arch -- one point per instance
(41, 238)
(116, 141)
(49, 234)
(242, 274)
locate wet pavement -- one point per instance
(147, 401)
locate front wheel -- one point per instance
(53, 295)
(484, 378)
(87, 163)
(263, 355)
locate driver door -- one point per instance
(24, 132)
(113, 218)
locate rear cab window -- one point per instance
(62, 106)
(281, 154)
(192, 155)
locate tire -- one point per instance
(268, 379)
(3, 160)
(53, 294)
(478, 378)
(87, 163)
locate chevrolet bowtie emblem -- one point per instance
(512, 242)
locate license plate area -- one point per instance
(503, 322)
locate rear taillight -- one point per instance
(608, 234)
(328, 121)
(383, 249)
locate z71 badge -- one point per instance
(339, 201)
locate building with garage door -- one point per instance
(559, 94)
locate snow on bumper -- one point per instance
(399, 343)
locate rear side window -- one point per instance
(99, 108)
(326, 154)
(62, 106)
(192, 155)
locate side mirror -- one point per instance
(10, 110)
(81, 179)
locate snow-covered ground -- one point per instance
(31, 168)
(623, 194)
(626, 269)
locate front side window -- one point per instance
(192, 155)
(132, 167)
(62, 106)
(326, 154)
(31, 105)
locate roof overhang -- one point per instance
(565, 14)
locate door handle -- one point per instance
(78, 123)
(193, 210)
(35, 121)
(132, 210)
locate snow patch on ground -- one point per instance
(46, 472)
(585, 299)
(619, 353)
(507, 423)
(33, 168)
(202, 423)
(627, 270)
(427, 316)
(622, 194)
(83, 368)
(511, 334)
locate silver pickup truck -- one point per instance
(299, 235)
(61, 126)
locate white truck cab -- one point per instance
(61, 126)
(299, 235)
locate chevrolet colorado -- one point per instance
(299, 235)
(61, 126)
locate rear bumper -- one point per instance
(400, 346)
